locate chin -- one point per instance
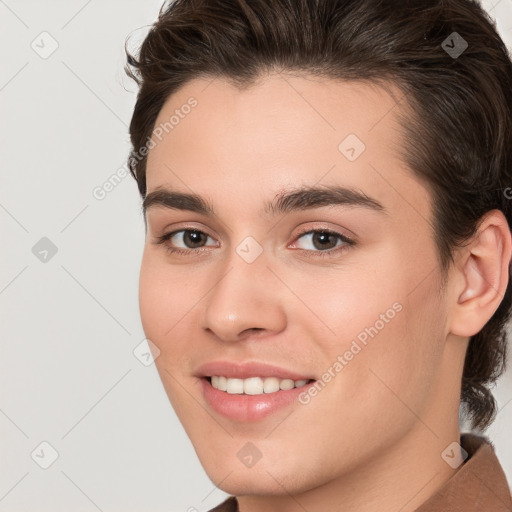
(257, 484)
(262, 479)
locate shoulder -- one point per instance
(479, 485)
(228, 505)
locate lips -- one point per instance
(248, 407)
(246, 370)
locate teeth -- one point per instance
(271, 385)
(222, 383)
(254, 385)
(286, 384)
(235, 386)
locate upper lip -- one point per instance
(234, 370)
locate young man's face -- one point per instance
(256, 286)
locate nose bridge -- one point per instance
(244, 296)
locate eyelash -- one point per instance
(348, 242)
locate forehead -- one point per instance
(283, 130)
(267, 110)
(277, 113)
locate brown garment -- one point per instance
(479, 486)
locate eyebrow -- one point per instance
(297, 199)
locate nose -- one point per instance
(245, 300)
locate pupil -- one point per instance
(195, 235)
(322, 235)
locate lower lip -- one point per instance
(249, 407)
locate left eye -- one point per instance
(321, 239)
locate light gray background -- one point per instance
(69, 376)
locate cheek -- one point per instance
(169, 304)
(387, 327)
(151, 302)
(350, 302)
(164, 302)
(162, 299)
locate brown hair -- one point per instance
(457, 138)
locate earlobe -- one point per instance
(484, 269)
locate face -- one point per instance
(338, 288)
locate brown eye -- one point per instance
(193, 238)
(184, 241)
(322, 239)
(322, 243)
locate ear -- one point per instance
(482, 275)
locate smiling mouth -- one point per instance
(255, 385)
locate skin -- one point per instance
(372, 438)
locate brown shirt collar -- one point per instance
(480, 485)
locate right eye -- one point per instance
(193, 237)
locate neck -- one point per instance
(400, 479)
